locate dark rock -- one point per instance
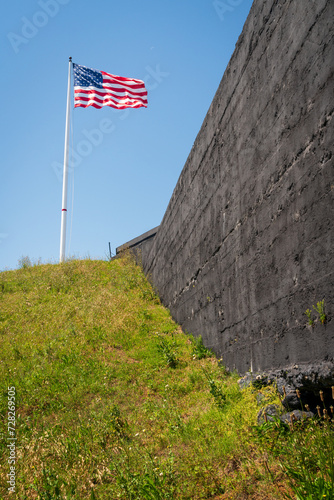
(307, 379)
(246, 380)
(287, 418)
(273, 412)
(291, 401)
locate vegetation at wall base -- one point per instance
(114, 401)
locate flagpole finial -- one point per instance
(70, 59)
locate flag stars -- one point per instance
(87, 77)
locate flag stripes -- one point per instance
(98, 89)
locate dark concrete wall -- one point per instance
(246, 244)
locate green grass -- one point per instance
(113, 401)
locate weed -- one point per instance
(320, 309)
(119, 424)
(308, 313)
(216, 391)
(24, 262)
(167, 348)
(199, 351)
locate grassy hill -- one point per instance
(113, 401)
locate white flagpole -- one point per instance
(65, 172)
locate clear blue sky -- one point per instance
(121, 185)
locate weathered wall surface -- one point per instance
(246, 244)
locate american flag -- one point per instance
(98, 89)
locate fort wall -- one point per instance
(246, 243)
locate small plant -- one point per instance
(308, 313)
(216, 391)
(118, 423)
(24, 262)
(167, 349)
(218, 395)
(320, 309)
(199, 351)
